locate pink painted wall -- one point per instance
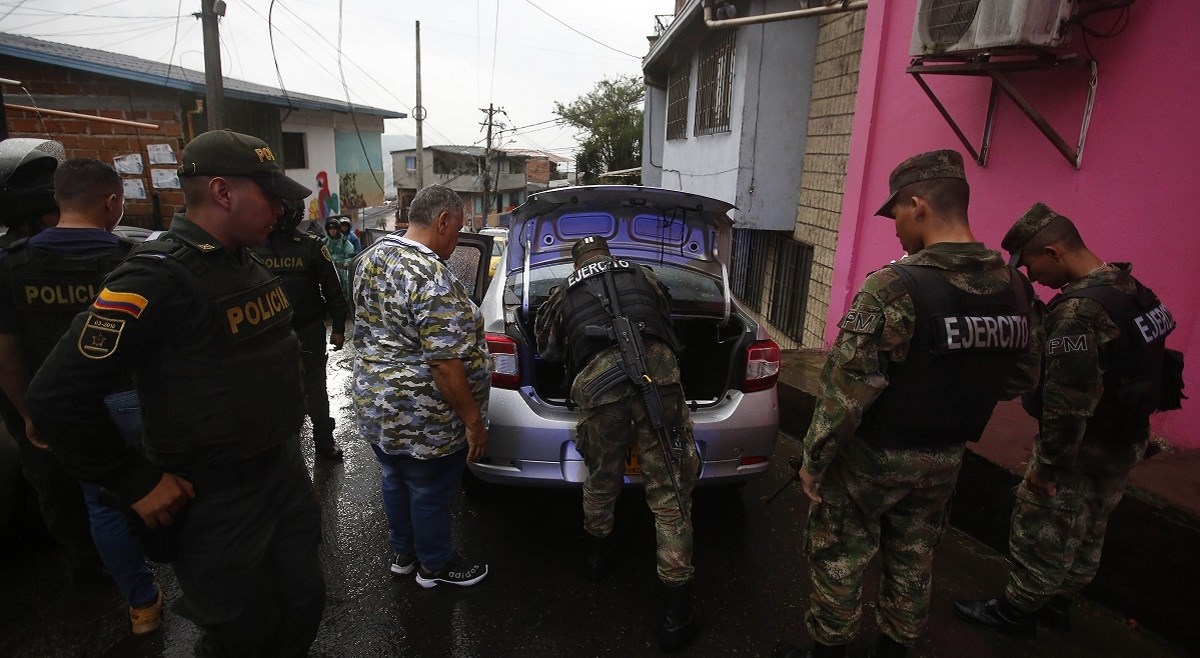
(1136, 197)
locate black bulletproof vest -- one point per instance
(1132, 364)
(587, 312)
(289, 257)
(963, 350)
(230, 383)
(49, 289)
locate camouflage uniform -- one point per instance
(409, 309)
(611, 420)
(885, 498)
(1055, 542)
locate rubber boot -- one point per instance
(886, 647)
(680, 622)
(600, 554)
(998, 614)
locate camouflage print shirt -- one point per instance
(409, 309)
(660, 360)
(856, 371)
(1073, 380)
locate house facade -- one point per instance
(462, 169)
(313, 137)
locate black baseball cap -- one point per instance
(229, 153)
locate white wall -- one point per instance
(319, 128)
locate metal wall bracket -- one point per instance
(983, 65)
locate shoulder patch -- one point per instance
(325, 253)
(100, 336)
(129, 303)
(1062, 345)
(862, 321)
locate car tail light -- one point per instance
(505, 372)
(762, 366)
(752, 460)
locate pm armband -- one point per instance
(862, 321)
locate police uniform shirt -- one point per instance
(141, 312)
(304, 264)
(56, 240)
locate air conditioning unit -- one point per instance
(962, 26)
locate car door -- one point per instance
(469, 262)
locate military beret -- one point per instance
(226, 153)
(1030, 224)
(946, 163)
(590, 243)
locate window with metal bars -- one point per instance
(714, 84)
(677, 103)
(789, 290)
(751, 248)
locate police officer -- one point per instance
(45, 281)
(303, 263)
(576, 326)
(204, 328)
(1101, 378)
(927, 348)
(27, 205)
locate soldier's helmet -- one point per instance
(27, 169)
(588, 249)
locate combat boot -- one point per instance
(600, 555)
(818, 650)
(998, 614)
(326, 446)
(1056, 613)
(680, 622)
(886, 647)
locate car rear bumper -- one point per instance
(531, 442)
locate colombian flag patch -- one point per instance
(124, 302)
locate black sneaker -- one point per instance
(404, 564)
(458, 572)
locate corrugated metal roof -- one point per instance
(150, 72)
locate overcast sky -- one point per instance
(522, 55)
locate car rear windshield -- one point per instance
(690, 291)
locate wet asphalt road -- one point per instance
(752, 582)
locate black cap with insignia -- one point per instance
(228, 153)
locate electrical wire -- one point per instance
(52, 12)
(143, 26)
(495, 43)
(14, 8)
(274, 57)
(556, 20)
(175, 39)
(55, 18)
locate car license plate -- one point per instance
(632, 466)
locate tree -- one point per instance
(610, 116)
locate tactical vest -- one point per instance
(231, 385)
(963, 350)
(587, 312)
(290, 260)
(50, 288)
(1132, 364)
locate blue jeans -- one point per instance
(121, 553)
(416, 499)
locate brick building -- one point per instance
(93, 82)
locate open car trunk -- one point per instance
(711, 356)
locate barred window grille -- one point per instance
(714, 84)
(677, 104)
(789, 290)
(751, 248)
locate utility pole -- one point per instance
(214, 106)
(487, 168)
(419, 115)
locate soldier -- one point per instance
(205, 331)
(45, 281)
(576, 325)
(1101, 378)
(303, 264)
(949, 327)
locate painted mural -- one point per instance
(325, 203)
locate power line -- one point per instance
(175, 39)
(143, 25)
(14, 8)
(495, 42)
(578, 32)
(54, 18)
(45, 12)
(350, 106)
